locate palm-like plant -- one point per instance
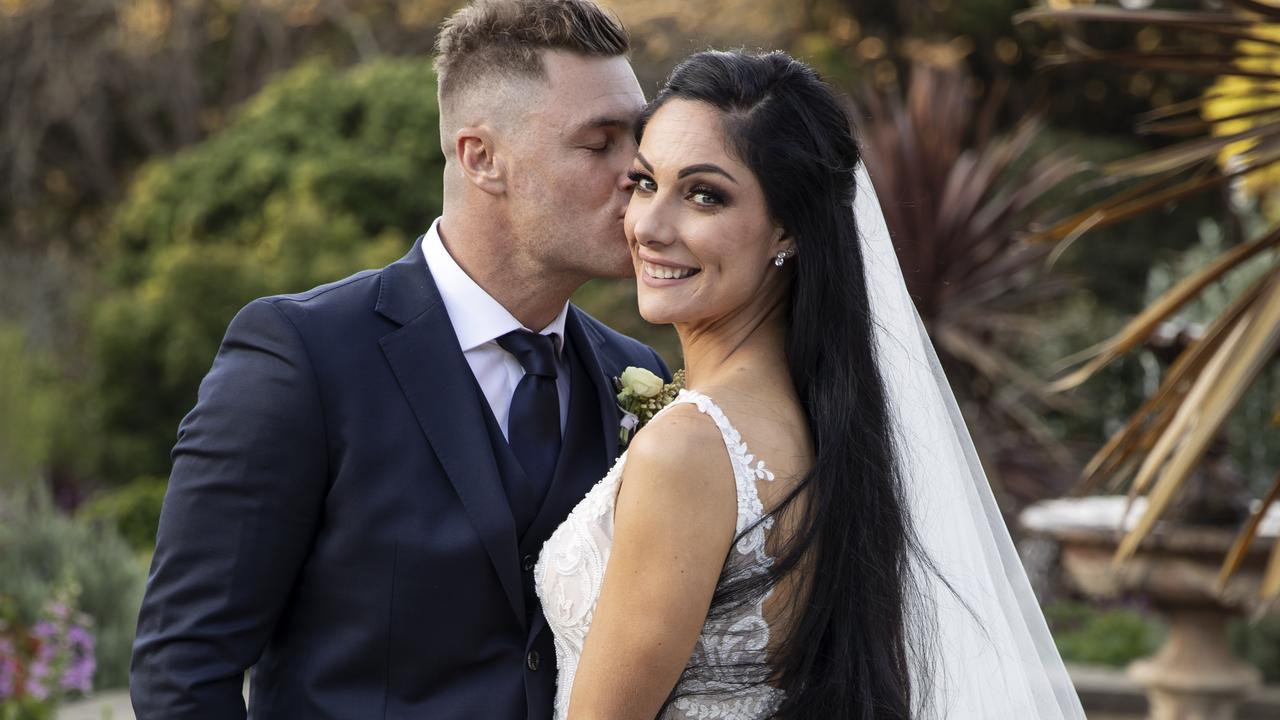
(1229, 136)
(955, 196)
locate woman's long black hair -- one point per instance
(847, 653)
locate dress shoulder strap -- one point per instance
(747, 468)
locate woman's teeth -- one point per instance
(664, 272)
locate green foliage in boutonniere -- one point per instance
(641, 394)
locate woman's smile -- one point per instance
(663, 273)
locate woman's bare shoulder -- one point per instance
(680, 443)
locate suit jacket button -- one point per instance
(528, 562)
(532, 660)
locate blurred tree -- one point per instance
(665, 31)
(886, 38)
(892, 36)
(133, 510)
(326, 172)
(91, 88)
(30, 404)
(1231, 133)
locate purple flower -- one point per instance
(44, 630)
(8, 669)
(79, 638)
(8, 676)
(79, 675)
(53, 658)
(37, 689)
(41, 666)
(79, 672)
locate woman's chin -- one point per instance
(659, 314)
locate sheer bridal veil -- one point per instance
(983, 641)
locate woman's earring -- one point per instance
(781, 258)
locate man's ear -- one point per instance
(479, 160)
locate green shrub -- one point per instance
(1259, 644)
(324, 173)
(31, 401)
(133, 510)
(1102, 636)
(1115, 636)
(42, 552)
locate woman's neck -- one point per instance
(737, 352)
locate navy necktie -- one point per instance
(533, 426)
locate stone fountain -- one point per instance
(1193, 675)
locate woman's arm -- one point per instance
(675, 520)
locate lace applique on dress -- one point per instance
(570, 571)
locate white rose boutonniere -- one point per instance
(640, 382)
(641, 394)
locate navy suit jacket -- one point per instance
(336, 520)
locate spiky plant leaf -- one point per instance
(1232, 137)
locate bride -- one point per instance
(805, 531)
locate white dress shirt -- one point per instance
(478, 320)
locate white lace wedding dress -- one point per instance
(571, 568)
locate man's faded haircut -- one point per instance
(504, 38)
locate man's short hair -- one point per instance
(505, 37)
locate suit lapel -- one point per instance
(437, 381)
(590, 349)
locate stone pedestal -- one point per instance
(1194, 675)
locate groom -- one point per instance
(360, 494)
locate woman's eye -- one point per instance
(643, 182)
(705, 197)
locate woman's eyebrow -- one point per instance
(691, 169)
(705, 168)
